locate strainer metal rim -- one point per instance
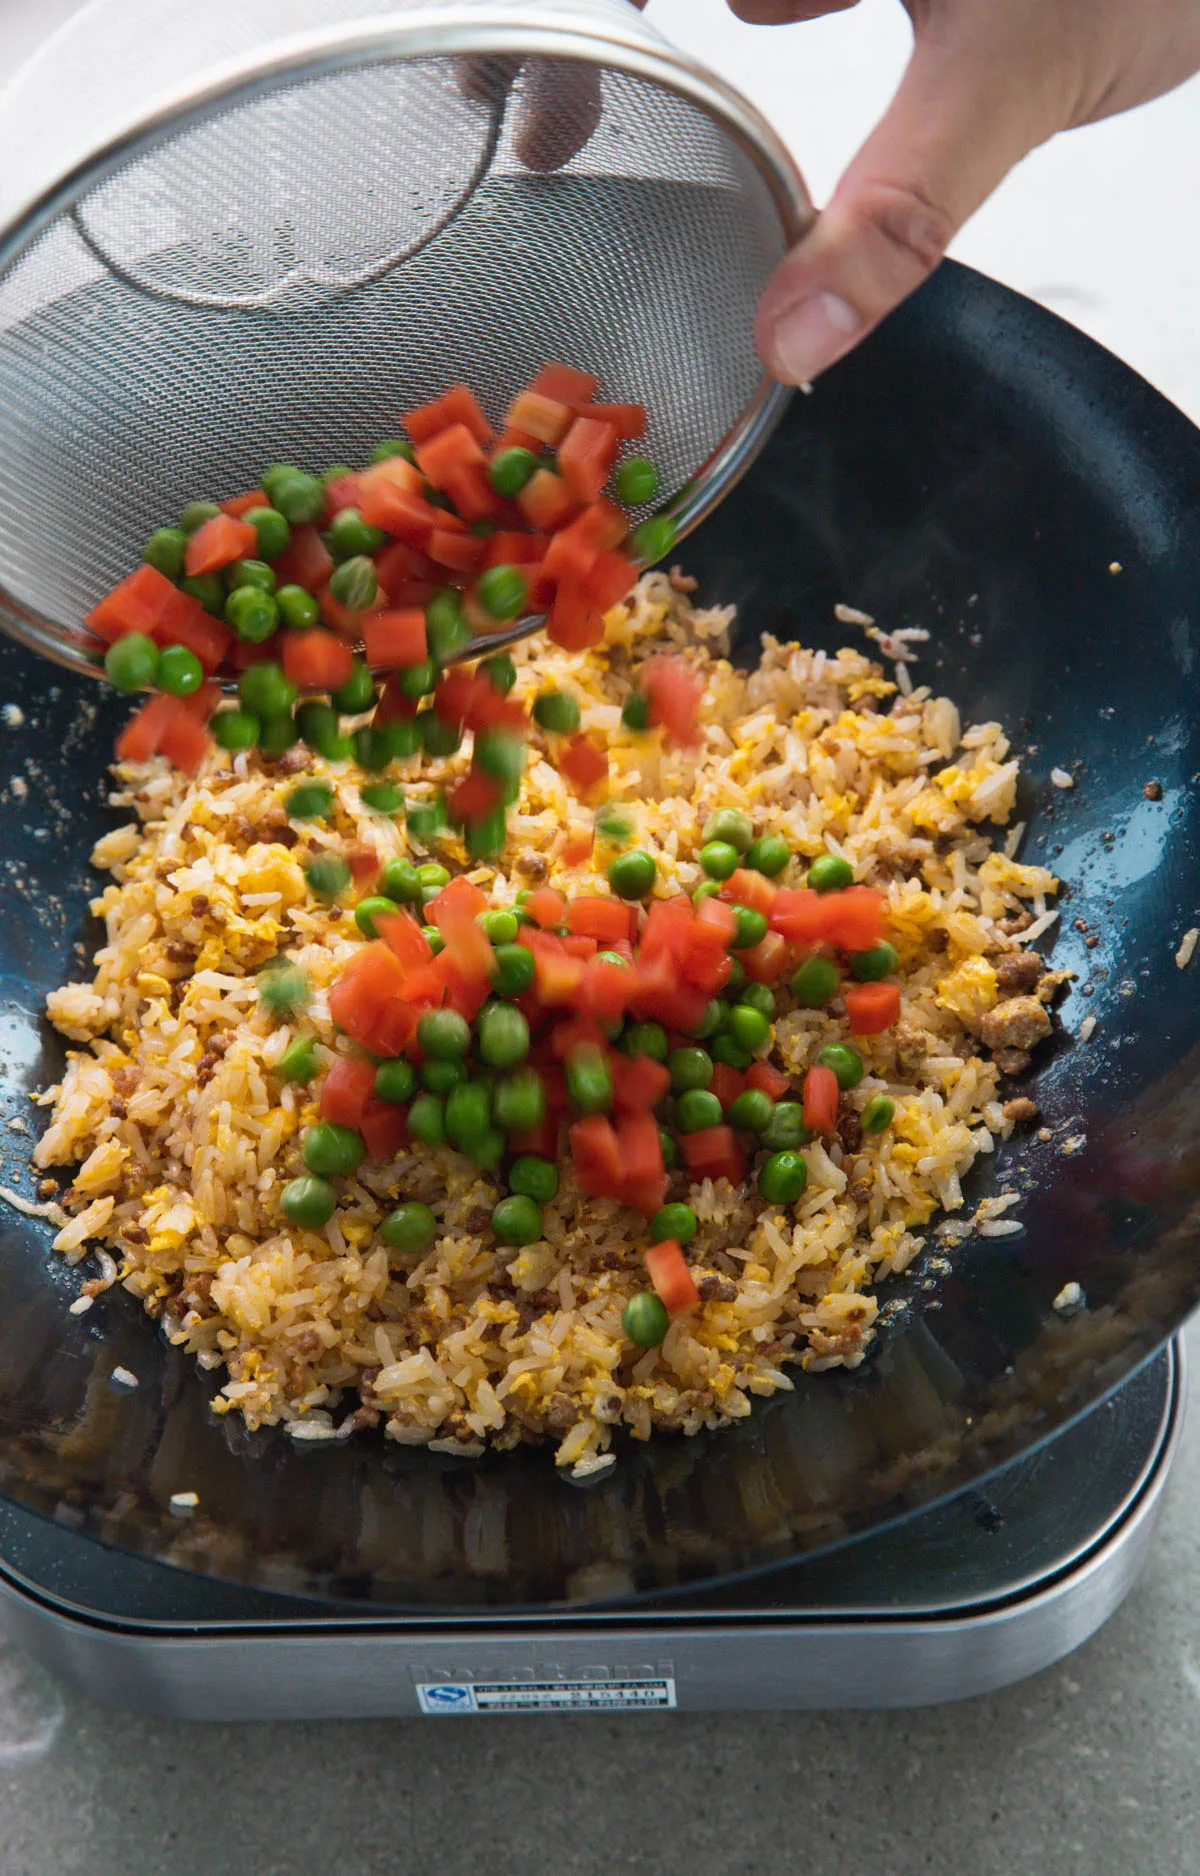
(447, 31)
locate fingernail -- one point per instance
(810, 335)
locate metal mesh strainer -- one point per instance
(329, 222)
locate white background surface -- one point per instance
(1101, 225)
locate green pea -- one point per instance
(443, 1033)
(614, 825)
(299, 498)
(311, 801)
(636, 481)
(719, 859)
(557, 713)
(785, 1130)
(368, 910)
(769, 855)
(265, 690)
(253, 573)
(878, 1113)
(724, 1049)
(427, 1119)
(533, 1178)
(500, 927)
(468, 1114)
(502, 1035)
(196, 514)
(417, 680)
(502, 592)
(646, 1039)
(309, 1203)
(253, 615)
(751, 928)
(357, 694)
(426, 822)
(670, 1152)
(731, 826)
(500, 754)
(632, 875)
(707, 889)
(298, 610)
(316, 722)
(485, 837)
(487, 1152)
(519, 1101)
(433, 938)
(131, 662)
(500, 672)
(278, 735)
(382, 797)
(350, 537)
(443, 1075)
(276, 472)
(236, 729)
(689, 1068)
(372, 748)
(447, 631)
(635, 712)
(674, 1221)
(165, 550)
(759, 997)
(274, 534)
(282, 987)
(328, 875)
(644, 1320)
(209, 589)
(395, 1080)
(653, 539)
(392, 446)
(711, 1021)
(830, 873)
(411, 1227)
(869, 967)
(517, 1221)
(513, 969)
(814, 983)
(298, 1062)
(433, 876)
(748, 1027)
(400, 882)
(355, 583)
(751, 1110)
(735, 983)
(846, 1063)
(509, 471)
(696, 1110)
(589, 1082)
(329, 1150)
(782, 1178)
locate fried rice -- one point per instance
(182, 1139)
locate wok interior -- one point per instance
(978, 469)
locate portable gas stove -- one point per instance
(978, 1592)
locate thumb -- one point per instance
(970, 105)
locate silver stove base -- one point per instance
(889, 1635)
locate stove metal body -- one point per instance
(972, 1595)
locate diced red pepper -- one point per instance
(763, 962)
(872, 1008)
(644, 1181)
(458, 405)
(465, 990)
(363, 861)
(506, 548)
(395, 638)
(575, 1032)
(459, 892)
(855, 918)
(202, 702)
(316, 660)
(669, 1273)
(597, 1155)
(184, 741)
(544, 417)
(800, 914)
(546, 502)
(305, 561)
(574, 622)
(566, 384)
(394, 568)
(455, 914)
(367, 984)
(578, 845)
(541, 1140)
(391, 496)
(239, 505)
(458, 553)
(413, 592)
(218, 543)
(638, 1080)
(475, 796)
(606, 919)
(546, 907)
(612, 578)
(663, 998)
(570, 557)
(350, 623)
(140, 738)
(185, 622)
(384, 1129)
(770, 1080)
(673, 693)
(445, 457)
(558, 974)
(820, 1099)
(135, 605)
(603, 523)
(514, 439)
(583, 764)
(714, 1153)
(607, 988)
(341, 493)
(346, 1092)
(668, 927)
(727, 1083)
(746, 887)
(402, 935)
(628, 420)
(586, 456)
(393, 706)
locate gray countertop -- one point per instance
(1090, 1765)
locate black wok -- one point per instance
(978, 468)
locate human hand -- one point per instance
(988, 81)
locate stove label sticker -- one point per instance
(545, 1696)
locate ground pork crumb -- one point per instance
(1017, 971)
(1021, 1111)
(1017, 1023)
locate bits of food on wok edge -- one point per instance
(625, 1037)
